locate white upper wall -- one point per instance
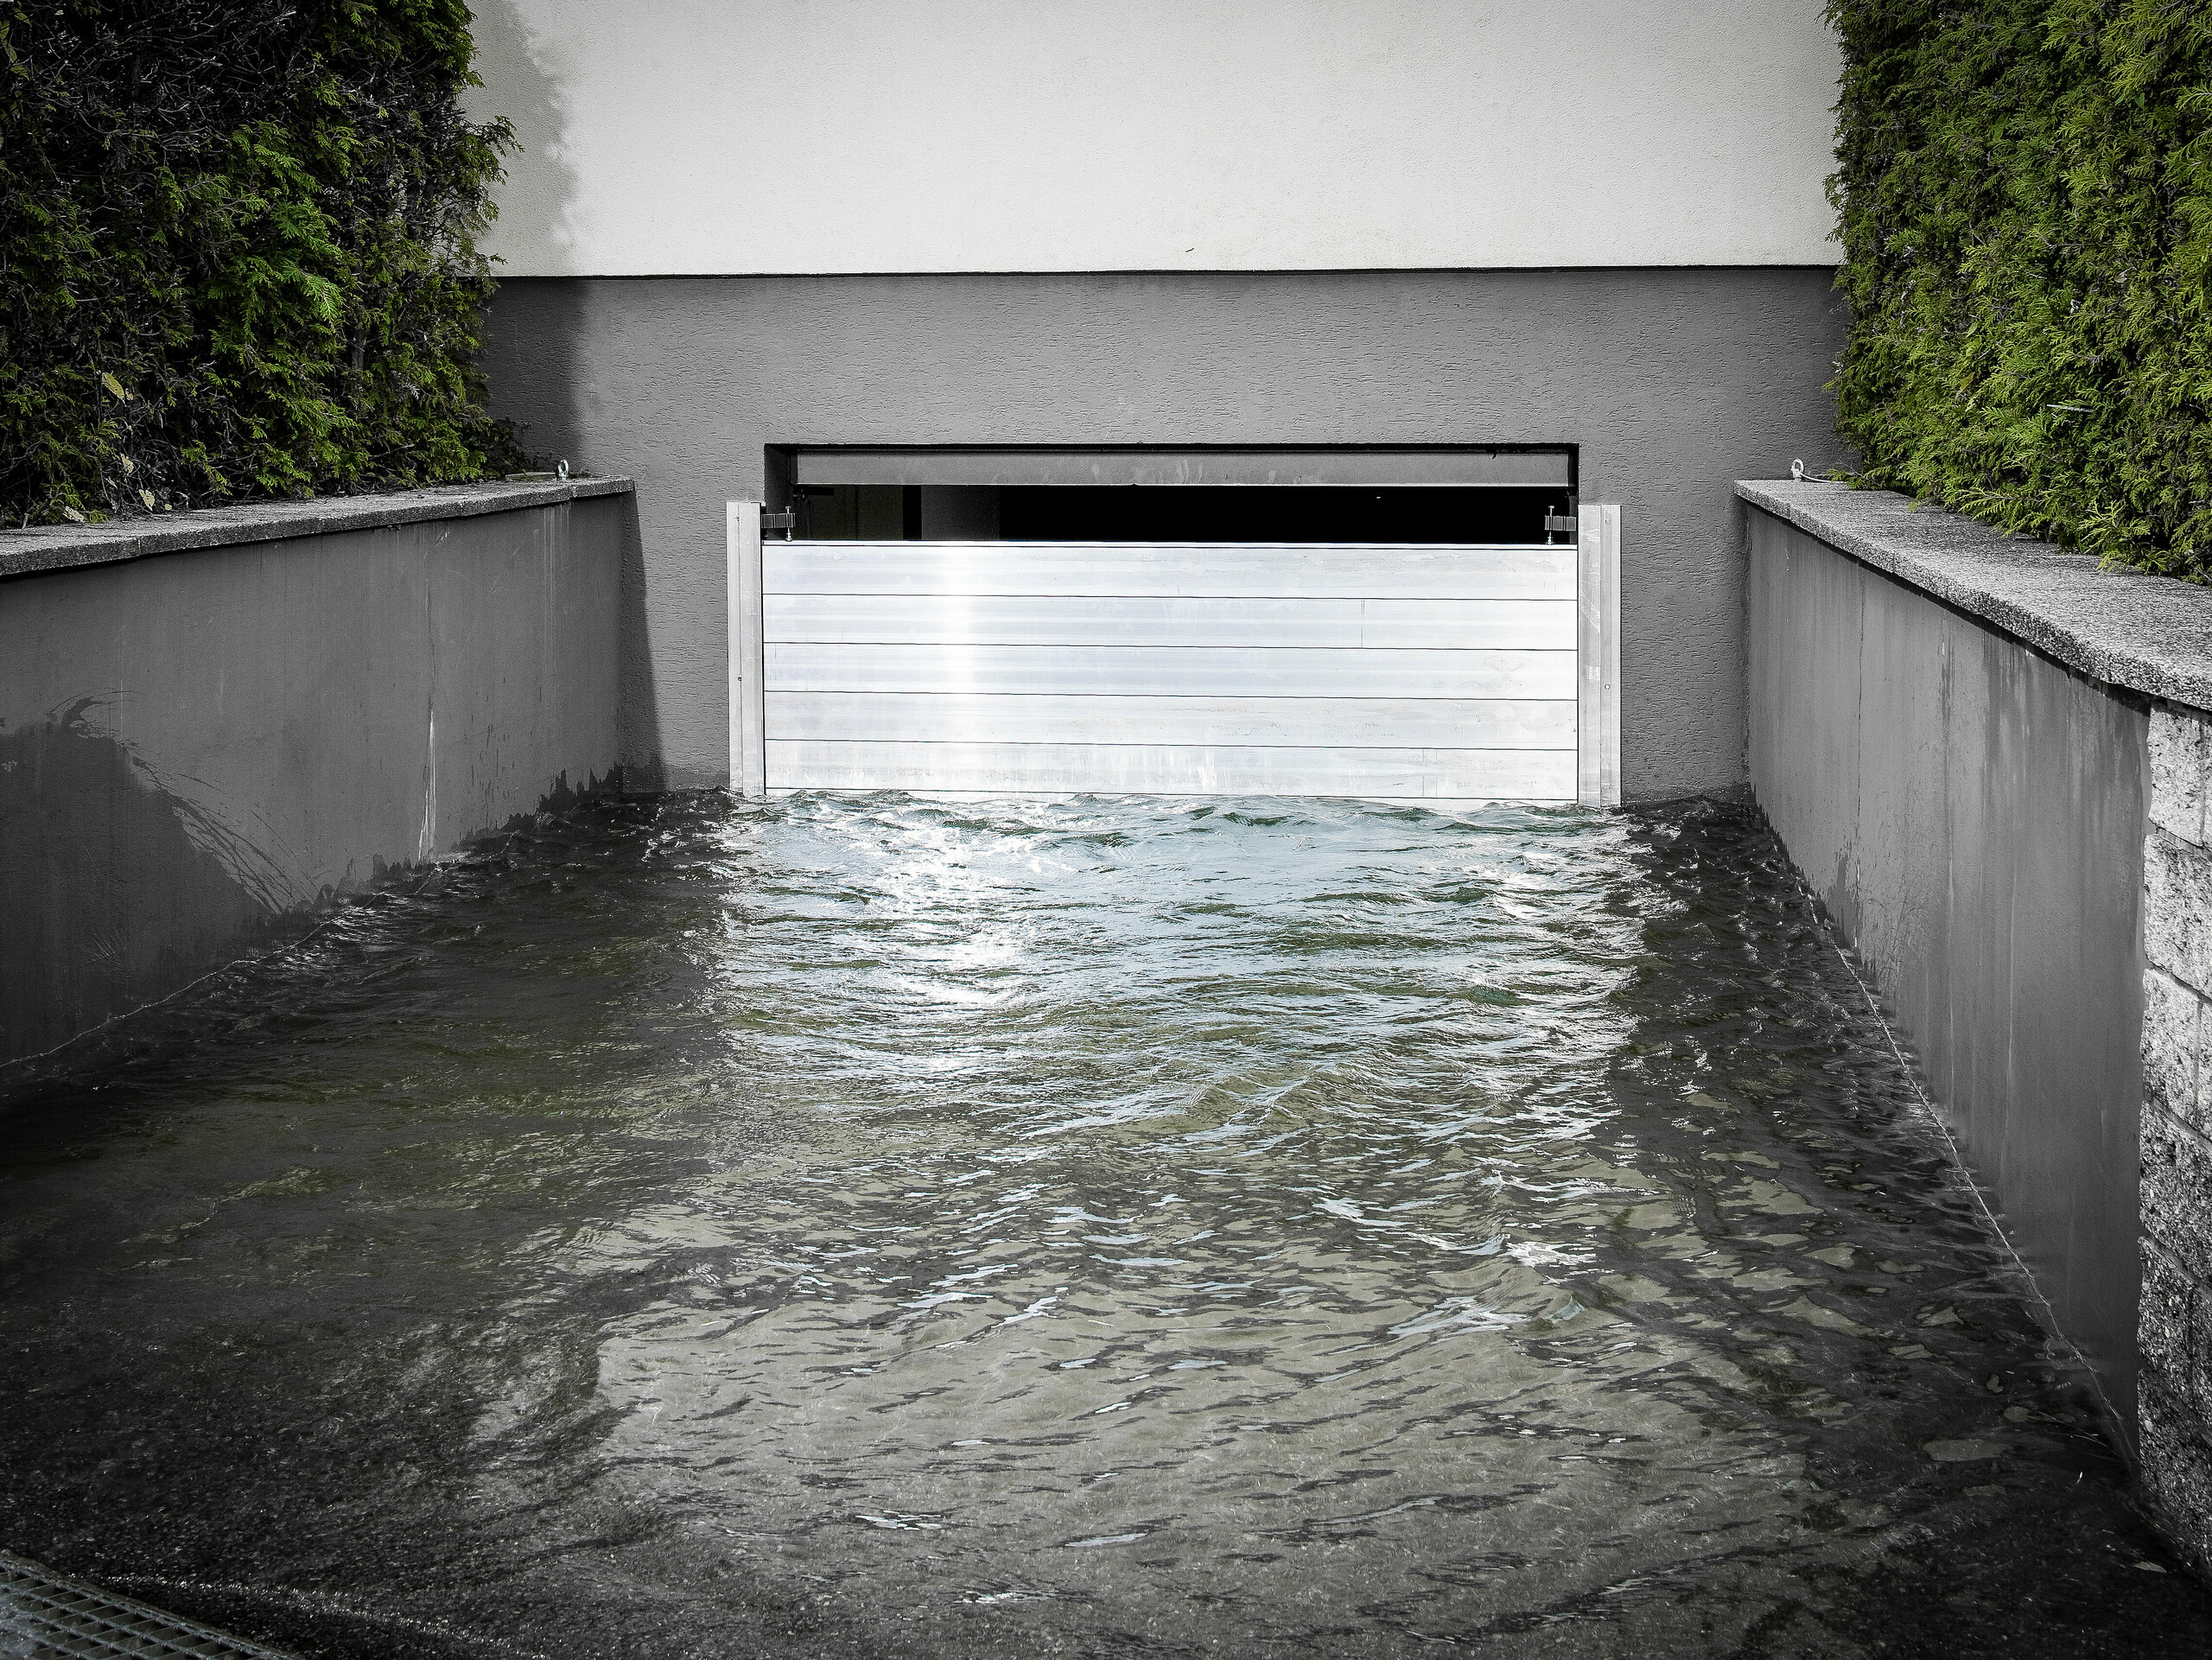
(665, 136)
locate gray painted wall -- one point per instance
(1674, 383)
(196, 746)
(1971, 813)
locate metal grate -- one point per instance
(45, 1617)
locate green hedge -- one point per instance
(236, 252)
(2026, 188)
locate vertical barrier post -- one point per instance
(749, 743)
(1598, 655)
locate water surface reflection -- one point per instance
(1100, 1228)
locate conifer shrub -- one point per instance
(2026, 192)
(236, 252)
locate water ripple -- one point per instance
(881, 1227)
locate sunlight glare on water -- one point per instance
(873, 1226)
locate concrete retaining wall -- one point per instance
(213, 724)
(1988, 759)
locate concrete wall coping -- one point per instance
(2151, 634)
(58, 547)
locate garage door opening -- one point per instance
(955, 512)
(1432, 627)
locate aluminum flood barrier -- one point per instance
(1416, 673)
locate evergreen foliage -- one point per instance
(2026, 188)
(236, 252)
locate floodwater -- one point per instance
(868, 1227)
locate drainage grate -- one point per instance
(45, 1617)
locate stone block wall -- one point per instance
(2176, 1382)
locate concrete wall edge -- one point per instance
(27, 552)
(2146, 633)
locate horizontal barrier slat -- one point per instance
(1389, 722)
(991, 620)
(1190, 672)
(1163, 769)
(1171, 569)
(1431, 803)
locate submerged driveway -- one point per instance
(872, 1227)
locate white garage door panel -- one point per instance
(1164, 769)
(1394, 722)
(1258, 672)
(1001, 619)
(1185, 570)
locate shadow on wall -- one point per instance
(641, 767)
(535, 365)
(539, 188)
(122, 887)
(121, 883)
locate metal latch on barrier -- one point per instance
(1559, 524)
(786, 521)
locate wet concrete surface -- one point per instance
(869, 1227)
